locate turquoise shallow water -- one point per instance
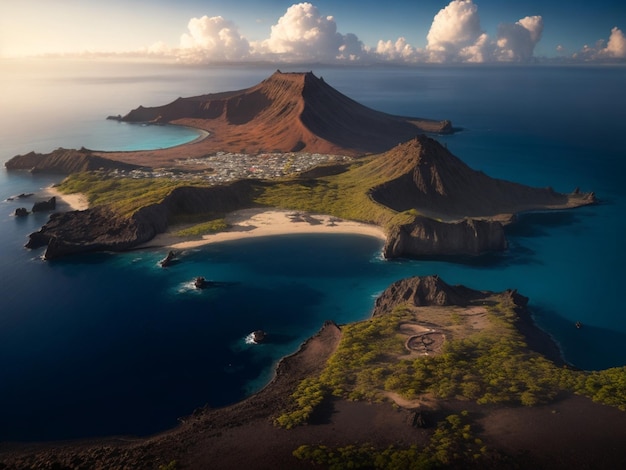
(93, 345)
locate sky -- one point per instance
(327, 31)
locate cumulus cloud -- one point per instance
(516, 42)
(456, 35)
(212, 39)
(398, 51)
(615, 48)
(303, 34)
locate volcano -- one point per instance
(288, 112)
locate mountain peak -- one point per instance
(288, 112)
(423, 174)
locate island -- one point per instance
(427, 201)
(439, 376)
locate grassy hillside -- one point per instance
(344, 195)
(484, 360)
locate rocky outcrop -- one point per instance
(168, 260)
(45, 206)
(64, 161)
(201, 283)
(424, 291)
(21, 212)
(259, 336)
(96, 229)
(425, 237)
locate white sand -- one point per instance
(245, 223)
(248, 223)
(65, 202)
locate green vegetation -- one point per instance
(453, 442)
(124, 195)
(344, 195)
(197, 230)
(605, 386)
(488, 365)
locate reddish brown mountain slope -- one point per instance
(285, 112)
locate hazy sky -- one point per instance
(410, 31)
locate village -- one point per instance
(223, 167)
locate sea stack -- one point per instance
(259, 336)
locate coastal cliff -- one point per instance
(102, 229)
(97, 229)
(461, 211)
(429, 237)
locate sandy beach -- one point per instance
(248, 223)
(65, 202)
(244, 223)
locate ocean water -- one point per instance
(113, 344)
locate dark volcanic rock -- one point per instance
(259, 336)
(90, 230)
(167, 261)
(21, 212)
(100, 229)
(424, 291)
(428, 237)
(44, 206)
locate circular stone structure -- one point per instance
(425, 343)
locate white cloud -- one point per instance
(455, 34)
(516, 42)
(303, 34)
(398, 51)
(615, 48)
(212, 39)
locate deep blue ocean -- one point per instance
(113, 344)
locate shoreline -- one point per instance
(203, 134)
(65, 202)
(253, 223)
